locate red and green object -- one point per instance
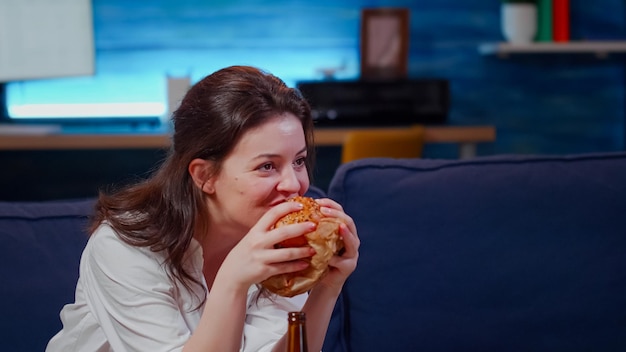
(544, 21)
(561, 20)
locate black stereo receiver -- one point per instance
(377, 103)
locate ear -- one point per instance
(201, 172)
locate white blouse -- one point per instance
(125, 301)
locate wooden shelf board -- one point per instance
(599, 48)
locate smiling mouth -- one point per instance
(275, 203)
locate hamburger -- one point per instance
(325, 240)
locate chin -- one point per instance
(252, 216)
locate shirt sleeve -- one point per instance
(266, 319)
(135, 302)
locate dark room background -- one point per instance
(539, 103)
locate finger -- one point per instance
(289, 231)
(285, 260)
(267, 221)
(331, 208)
(281, 255)
(351, 241)
(340, 214)
(329, 203)
(287, 267)
(346, 265)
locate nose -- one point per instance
(289, 181)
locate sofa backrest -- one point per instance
(505, 253)
(40, 248)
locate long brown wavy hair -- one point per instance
(164, 211)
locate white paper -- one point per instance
(45, 39)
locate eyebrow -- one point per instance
(260, 156)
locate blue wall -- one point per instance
(539, 103)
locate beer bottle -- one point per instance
(296, 332)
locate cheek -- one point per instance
(261, 188)
(238, 187)
(304, 181)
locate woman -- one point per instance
(173, 262)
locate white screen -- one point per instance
(45, 39)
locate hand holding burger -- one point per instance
(325, 240)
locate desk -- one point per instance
(465, 136)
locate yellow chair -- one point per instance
(383, 142)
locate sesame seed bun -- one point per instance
(325, 240)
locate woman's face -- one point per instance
(266, 167)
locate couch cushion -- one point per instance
(40, 248)
(506, 253)
(315, 192)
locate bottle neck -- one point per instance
(296, 333)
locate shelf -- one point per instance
(323, 137)
(599, 48)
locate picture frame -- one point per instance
(384, 46)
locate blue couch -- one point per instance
(40, 248)
(504, 253)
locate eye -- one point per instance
(266, 167)
(300, 162)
